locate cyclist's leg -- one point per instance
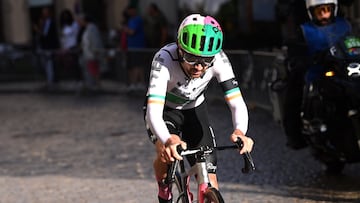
(160, 164)
(198, 132)
(213, 180)
(173, 119)
(160, 169)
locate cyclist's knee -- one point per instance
(160, 168)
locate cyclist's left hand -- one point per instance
(248, 142)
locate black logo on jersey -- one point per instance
(229, 84)
(156, 66)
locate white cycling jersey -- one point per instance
(170, 86)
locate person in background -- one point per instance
(306, 59)
(135, 40)
(69, 30)
(49, 44)
(68, 55)
(91, 52)
(122, 33)
(156, 27)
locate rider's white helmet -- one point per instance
(312, 3)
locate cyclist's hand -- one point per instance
(170, 148)
(247, 141)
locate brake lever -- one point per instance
(248, 161)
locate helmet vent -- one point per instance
(193, 41)
(185, 38)
(211, 43)
(218, 44)
(202, 43)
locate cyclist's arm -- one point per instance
(156, 99)
(226, 78)
(239, 113)
(236, 104)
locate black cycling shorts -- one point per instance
(193, 126)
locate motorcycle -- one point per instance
(330, 112)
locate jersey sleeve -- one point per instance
(156, 94)
(232, 94)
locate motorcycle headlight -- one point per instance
(329, 73)
(353, 69)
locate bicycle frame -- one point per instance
(199, 171)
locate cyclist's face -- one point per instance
(195, 66)
(322, 13)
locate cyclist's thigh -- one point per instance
(173, 119)
(198, 132)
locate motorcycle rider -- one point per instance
(306, 57)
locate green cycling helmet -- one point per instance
(200, 35)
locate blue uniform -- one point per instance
(321, 38)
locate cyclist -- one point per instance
(176, 104)
(316, 36)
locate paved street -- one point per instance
(62, 148)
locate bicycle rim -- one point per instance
(212, 195)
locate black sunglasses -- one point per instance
(193, 60)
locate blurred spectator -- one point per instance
(290, 14)
(156, 27)
(135, 40)
(123, 42)
(68, 56)
(49, 43)
(228, 17)
(122, 32)
(91, 52)
(69, 30)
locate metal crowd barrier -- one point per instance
(252, 68)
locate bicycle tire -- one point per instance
(212, 195)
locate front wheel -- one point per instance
(212, 195)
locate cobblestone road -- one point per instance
(69, 148)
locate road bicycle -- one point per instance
(179, 176)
